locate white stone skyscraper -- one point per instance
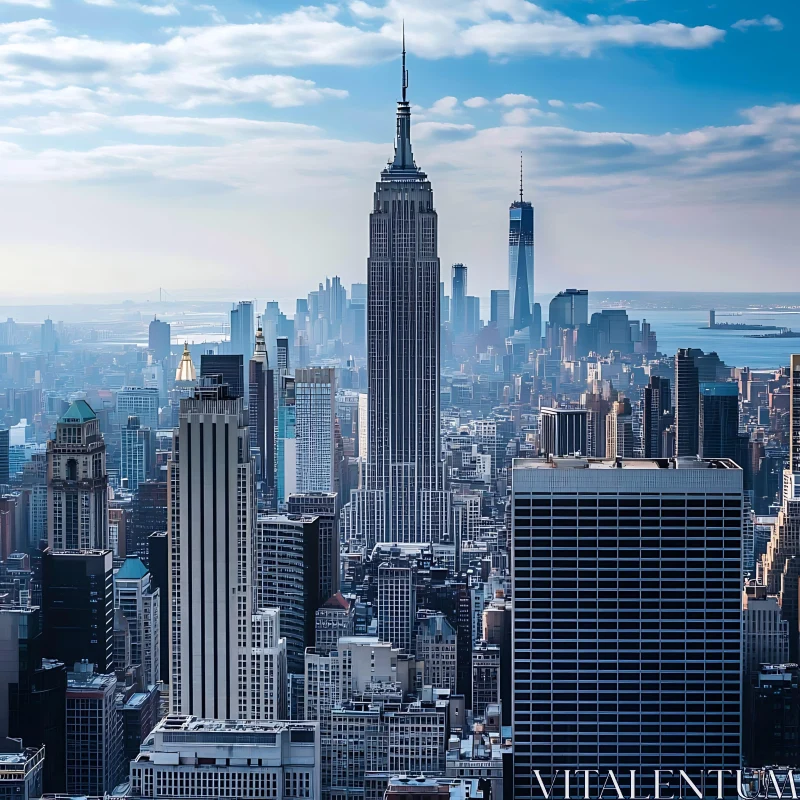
(211, 524)
(403, 463)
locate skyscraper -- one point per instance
(323, 506)
(77, 482)
(657, 417)
(78, 603)
(499, 312)
(687, 405)
(211, 525)
(242, 342)
(403, 345)
(158, 338)
(315, 399)
(564, 431)
(627, 617)
(4, 455)
(458, 302)
(396, 603)
(718, 435)
(242, 328)
(569, 308)
(94, 732)
(619, 430)
(137, 453)
(261, 413)
(520, 261)
(139, 601)
(287, 577)
(139, 402)
(692, 367)
(794, 416)
(230, 367)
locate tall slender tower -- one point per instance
(520, 261)
(211, 525)
(261, 407)
(403, 346)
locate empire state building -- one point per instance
(404, 473)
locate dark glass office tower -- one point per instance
(794, 416)
(230, 367)
(687, 403)
(657, 417)
(4, 455)
(719, 420)
(323, 506)
(403, 346)
(520, 262)
(627, 618)
(158, 564)
(261, 414)
(33, 692)
(78, 603)
(149, 515)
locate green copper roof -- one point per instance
(131, 570)
(79, 411)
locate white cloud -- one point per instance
(512, 100)
(516, 27)
(34, 3)
(476, 102)
(767, 21)
(22, 31)
(168, 10)
(424, 131)
(517, 116)
(57, 123)
(444, 107)
(191, 88)
(213, 10)
(556, 103)
(639, 188)
(587, 106)
(65, 97)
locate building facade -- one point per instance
(315, 401)
(77, 482)
(189, 757)
(605, 553)
(403, 345)
(520, 263)
(211, 524)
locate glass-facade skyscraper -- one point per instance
(520, 262)
(627, 621)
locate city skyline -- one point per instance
(366, 541)
(167, 167)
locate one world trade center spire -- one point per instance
(520, 261)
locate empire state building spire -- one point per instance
(403, 157)
(404, 498)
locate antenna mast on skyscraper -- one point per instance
(405, 71)
(520, 176)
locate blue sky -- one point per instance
(232, 148)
